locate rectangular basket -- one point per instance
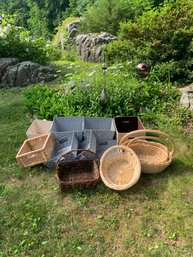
(39, 127)
(64, 124)
(103, 128)
(36, 150)
(127, 124)
(77, 174)
(65, 142)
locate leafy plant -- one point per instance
(17, 42)
(126, 96)
(161, 37)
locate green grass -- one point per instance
(153, 218)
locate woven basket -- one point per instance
(36, 150)
(120, 168)
(39, 127)
(155, 151)
(77, 173)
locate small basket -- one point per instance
(77, 173)
(120, 168)
(35, 150)
(39, 127)
(155, 151)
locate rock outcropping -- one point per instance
(72, 29)
(89, 46)
(187, 97)
(14, 73)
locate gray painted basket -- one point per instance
(103, 128)
(102, 147)
(39, 127)
(87, 141)
(65, 142)
(61, 124)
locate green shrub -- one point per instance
(105, 15)
(17, 42)
(161, 37)
(126, 96)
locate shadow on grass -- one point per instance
(149, 186)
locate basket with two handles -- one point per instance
(154, 149)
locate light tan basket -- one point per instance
(155, 151)
(39, 127)
(35, 150)
(120, 168)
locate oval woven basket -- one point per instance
(155, 152)
(120, 168)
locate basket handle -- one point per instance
(116, 147)
(129, 142)
(84, 150)
(137, 133)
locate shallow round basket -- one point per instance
(120, 168)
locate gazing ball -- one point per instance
(142, 69)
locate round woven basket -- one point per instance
(155, 152)
(120, 168)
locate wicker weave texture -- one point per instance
(36, 150)
(120, 168)
(155, 152)
(39, 127)
(82, 173)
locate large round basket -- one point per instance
(120, 168)
(154, 149)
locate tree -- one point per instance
(105, 15)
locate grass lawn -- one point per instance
(153, 218)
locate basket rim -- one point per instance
(135, 178)
(49, 135)
(137, 134)
(93, 179)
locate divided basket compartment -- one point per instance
(39, 127)
(155, 149)
(120, 168)
(65, 142)
(74, 173)
(70, 124)
(103, 128)
(87, 141)
(126, 124)
(35, 150)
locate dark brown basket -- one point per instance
(78, 173)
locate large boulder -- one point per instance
(25, 73)
(4, 63)
(89, 46)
